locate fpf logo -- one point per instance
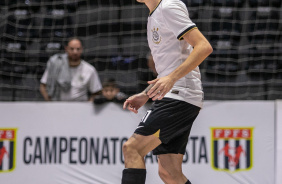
(232, 149)
(7, 149)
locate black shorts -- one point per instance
(171, 120)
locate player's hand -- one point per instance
(134, 102)
(161, 87)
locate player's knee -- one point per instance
(128, 149)
(130, 153)
(169, 176)
(166, 176)
(163, 174)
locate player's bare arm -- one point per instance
(134, 102)
(202, 49)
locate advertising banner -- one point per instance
(278, 141)
(79, 143)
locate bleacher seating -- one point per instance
(245, 35)
(134, 45)
(56, 23)
(102, 20)
(262, 31)
(195, 3)
(20, 24)
(228, 3)
(274, 3)
(107, 46)
(133, 18)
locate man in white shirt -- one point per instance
(68, 77)
(177, 47)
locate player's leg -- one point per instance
(144, 140)
(165, 129)
(134, 150)
(170, 169)
(170, 157)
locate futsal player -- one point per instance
(177, 47)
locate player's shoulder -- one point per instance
(172, 4)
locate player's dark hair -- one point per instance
(109, 82)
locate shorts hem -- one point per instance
(165, 153)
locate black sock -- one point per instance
(188, 182)
(133, 176)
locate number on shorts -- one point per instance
(146, 116)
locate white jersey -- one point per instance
(84, 79)
(167, 24)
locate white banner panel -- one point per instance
(278, 141)
(237, 127)
(77, 143)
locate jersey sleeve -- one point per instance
(177, 19)
(95, 83)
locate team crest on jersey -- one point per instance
(156, 36)
(7, 149)
(232, 149)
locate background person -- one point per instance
(110, 93)
(68, 77)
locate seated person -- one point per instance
(110, 93)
